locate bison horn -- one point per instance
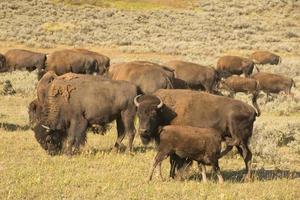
(160, 103)
(137, 104)
(46, 127)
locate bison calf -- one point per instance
(235, 84)
(265, 57)
(274, 83)
(200, 144)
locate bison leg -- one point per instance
(121, 133)
(202, 168)
(245, 152)
(216, 169)
(160, 156)
(223, 153)
(172, 165)
(128, 121)
(76, 135)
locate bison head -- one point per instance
(148, 113)
(50, 140)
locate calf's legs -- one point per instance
(160, 156)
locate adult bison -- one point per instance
(229, 65)
(20, 59)
(196, 77)
(265, 57)
(233, 118)
(64, 61)
(102, 60)
(147, 76)
(235, 84)
(76, 102)
(274, 83)
(2, 63)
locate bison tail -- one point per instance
(254, 103)
(293, 83)
(257, 69)
(279, 60)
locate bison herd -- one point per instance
(178, 104)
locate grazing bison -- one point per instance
(102, 60)
(196, 77)
(73, 103)
(265, 57)
(233, 118)
(147, 76)
(200, 144)
(64, 61)
(3, 67)
(20, 59)
(235, 84)
(229, 65)
(274, 83)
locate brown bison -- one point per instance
(196, 77)
(2, 63)
(147, 76)
(233, 118)
(64, 61)
(74, 102)
(20, 59)
(200, 144)
(229, 65)
(235, 84)
(265, 57)
(103, 61)
(274, 83)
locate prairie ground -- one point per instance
(198, 32)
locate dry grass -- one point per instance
(125, 32)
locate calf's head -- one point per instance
(148, 108)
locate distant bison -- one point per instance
(265, 57)
(75, 102)
(274, 83)
(3, 67)
(20, 59)
(229, 65)
(147, 76)
(195, 76)
(200, 144)
(64, 61)
(103, 61)
(235, 84)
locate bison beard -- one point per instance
(233, 118)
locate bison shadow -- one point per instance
(13, 127)
(142, 149)
(258, 175)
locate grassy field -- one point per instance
(157, 31)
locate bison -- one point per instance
(265, 57)
(229, 65)
(76, 102)
(200, 144)
(196, 77)
(274, 83)
(147, 76)
(102, 60)
(233, 118)
(235, 84)
(20, 59)
(3, 67)
(64, 61)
